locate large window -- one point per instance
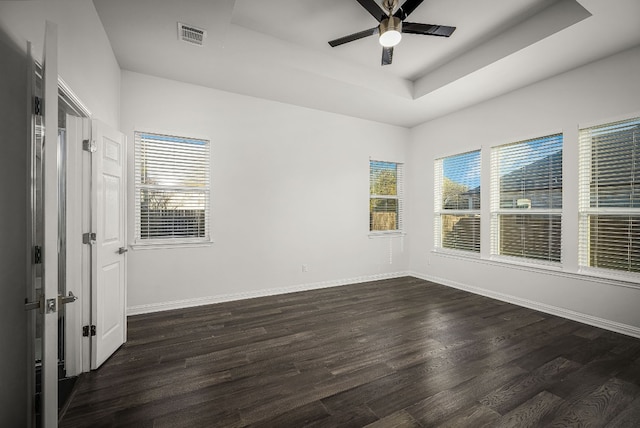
(610, 196)
(526, 199)
(385, 196)
(172, 189)
(457, 202)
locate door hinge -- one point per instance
(89, 146)
(37, 106)
(37, 255)
(88, 329)
(89, 238)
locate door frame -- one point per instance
(78, 207)
(78, 222)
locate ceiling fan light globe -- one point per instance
(390, 31)
(390, 38)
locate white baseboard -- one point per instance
(188, 303)
(606, 324)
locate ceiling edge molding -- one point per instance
(543, 24)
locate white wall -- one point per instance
(290, 186)
(13, 230)
(596, 93)
(86, 61)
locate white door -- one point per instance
(108, 258)
(49, 409)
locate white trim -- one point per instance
(606, 324)
(169, 244)
(69, 96)
(452, 252)
(188, 303)
(387, 234)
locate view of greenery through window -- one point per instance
(172, 187)
(385, 179)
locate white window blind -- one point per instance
(457, 202)
(526, 199)
(610, 196)
(172, 189)
(386, 180)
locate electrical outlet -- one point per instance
(305, 267)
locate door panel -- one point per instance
(50, 227)
(109, 250)
(74, 247)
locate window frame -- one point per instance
(440, 211)
(171, 242)
(399, 197)
(496, 211)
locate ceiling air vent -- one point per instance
(191, 34)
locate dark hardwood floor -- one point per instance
(393, 353)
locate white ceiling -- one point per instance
(278, 49)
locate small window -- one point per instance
(457, 202)
(385, 196)
(172, 189)
(526, 199)
(610, 196)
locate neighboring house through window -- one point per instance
(526, 199)
(172, 189)
(457, 202)
(610, 196)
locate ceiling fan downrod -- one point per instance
(390, 6)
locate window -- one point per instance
(610, 196)
(526, 199)
(172, 189)
(457, 202)
(385, 196)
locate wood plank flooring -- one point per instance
(393, 353)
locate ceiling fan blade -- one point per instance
(354, 36)
(406, 9)
(387, 55)
(427, 29)
(373, 8)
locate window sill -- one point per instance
(457, 253)
(528, 263)
(606, 274)
(593, 274)
(387, 234)
(164, 245)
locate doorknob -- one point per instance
(122, 250)
(67, 299)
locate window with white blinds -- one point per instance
(386, 180)
(610, 196)
(172, 189)
(526, 199)
(457, 202)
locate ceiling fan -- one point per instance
(392, 25)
